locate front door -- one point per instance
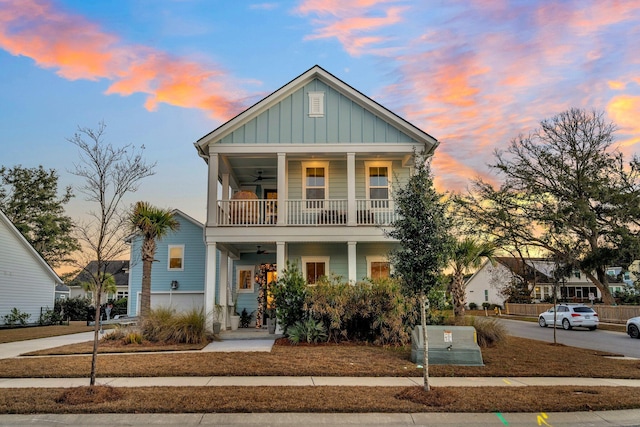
(266, 278)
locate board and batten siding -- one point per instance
(25, 282)
(344, 121)
(190, 279)
(338, 179)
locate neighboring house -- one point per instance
(27, 282)
(486, 284)
(177, 274)
(303, 176)
(62, 292)
(119, 269)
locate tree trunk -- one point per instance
(603, 285)
(145, 297)
(423, 320)
(458, 292)
(96, 332)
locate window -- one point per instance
(378, 183)
(576, 274)
(314, 268)
(245, 280)
(378, 267)
(122, 294)
(316, 104)
(176, 257)
(486, 295)
(315, 185)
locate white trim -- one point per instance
(318, 259)
(383, 164)
(169, 247)
(376, 258)
(240, 269)
(315, 164)
(316, 104)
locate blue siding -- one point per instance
(344, 122)
(191, 278)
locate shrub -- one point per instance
(73, 308)
(163, 324)
(50, 317)
(486, 305)
(370, 311)
(489, 331)
(309, 331)
(289, 294)
(473, 306)
(156, 322)
(16, 317)
(132, 338)
(245, 318)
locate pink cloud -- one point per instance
(79, 49)
(351, 22)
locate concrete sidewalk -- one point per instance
(556, 419)
(314, 381)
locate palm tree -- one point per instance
(151, 223)
(108, 284)
(467, 254)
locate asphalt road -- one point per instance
(613, 342)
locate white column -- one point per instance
(353, 278)
(280, 258)
(282, 189)
(212, 193)
(351, 188)
(210, 285)
(224, 283)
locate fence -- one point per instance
(606, 313)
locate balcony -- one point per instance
(328, 212)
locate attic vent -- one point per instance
(316, 104)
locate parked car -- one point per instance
(633, 327)
(570, 316)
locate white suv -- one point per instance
(570, 316)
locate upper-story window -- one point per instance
(176, 257)
(378, 183)
(316, 183)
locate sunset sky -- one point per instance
(163, 73)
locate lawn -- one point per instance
(515, 357)
(33, 332)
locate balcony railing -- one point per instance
(304, 212)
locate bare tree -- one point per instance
(109, 174)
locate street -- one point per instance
(612, 342)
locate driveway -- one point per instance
(613, 342)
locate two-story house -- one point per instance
(306, 176)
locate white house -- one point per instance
(486, 284)
(303, 176)
(27, 282)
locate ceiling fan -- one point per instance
(260, 251)
(261, 177)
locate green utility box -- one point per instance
(448, 345)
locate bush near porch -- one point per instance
(373, 311)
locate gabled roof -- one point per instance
(175, 212)
(316, 72)
(37, 257)
(119, 269)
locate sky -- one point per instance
(163, 73)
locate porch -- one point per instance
(333, 212)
